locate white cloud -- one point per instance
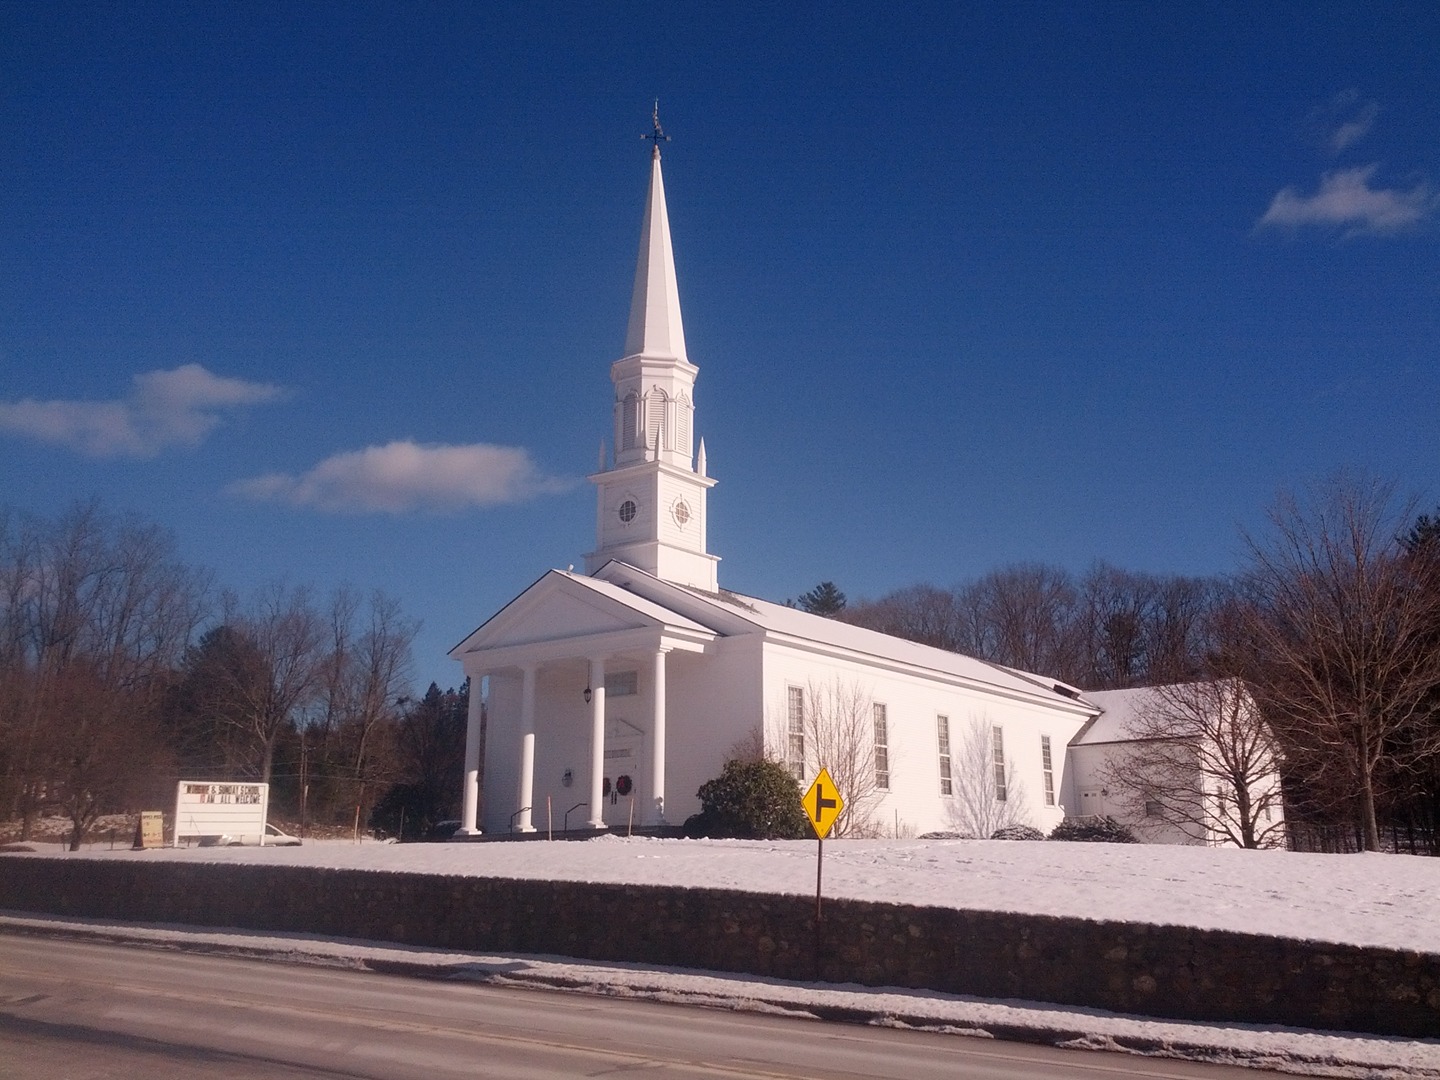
(1354, 129)
(1344, 120)
(163, 408)
(1347, 200)
(404, 475)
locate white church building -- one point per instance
(611, 696)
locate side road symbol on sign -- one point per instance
(823, 803)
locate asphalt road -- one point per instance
(86, 1011)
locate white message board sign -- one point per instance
(221, 812)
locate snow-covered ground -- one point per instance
(1385, 900)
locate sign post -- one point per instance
(823, 805)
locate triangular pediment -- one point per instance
(558, 607)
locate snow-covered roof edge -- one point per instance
(642, 606)
(727, 608)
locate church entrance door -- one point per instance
(624, 759)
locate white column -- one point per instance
(527, 749)
(597, 744)
(470, 795)
(657, 742)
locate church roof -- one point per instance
(655, 326)
(723, 612)
(648, 608)
(1121, 708)
(792, 622)
(1124, 711)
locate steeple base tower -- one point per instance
(652, 516)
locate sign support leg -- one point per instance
(819, 869)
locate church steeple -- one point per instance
(655, 326)
(651, 510)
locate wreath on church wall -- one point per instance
(624, 785)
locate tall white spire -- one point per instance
(651, 506)
(655, 327)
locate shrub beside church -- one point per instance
(750, 800)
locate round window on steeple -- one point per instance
(627, 511)
(681, 512)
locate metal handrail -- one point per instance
(565, 826)
(517, 813)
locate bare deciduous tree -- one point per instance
(103, 695)
(1114, 629)
(837, 734)
(97, 611)
(1142, 629)
(280, 671)
(1338, 639)
(375, 661)
(923, 613)
(285, 632)
(1181, 627)
(1202, 760)
(1027, 612)
(1112, 626)
(979, 805)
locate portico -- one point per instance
(579, 719)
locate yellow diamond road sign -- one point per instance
(823, 803)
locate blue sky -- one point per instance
(332, 289)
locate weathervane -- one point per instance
(658, 135)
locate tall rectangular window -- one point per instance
(882, 749)
(795, 743)
(942, 736)
(997, 740)
(1049, 770)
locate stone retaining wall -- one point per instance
(1153, 970)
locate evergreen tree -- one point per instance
(1424, 536)
(431, 760)
(825, 599)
